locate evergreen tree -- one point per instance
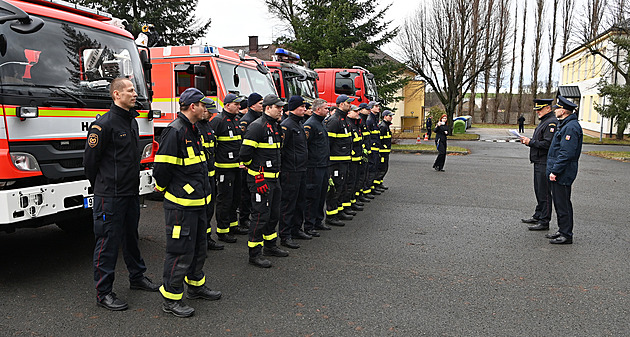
(172, 19)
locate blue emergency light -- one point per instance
(287, 53)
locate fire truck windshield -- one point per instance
(250, 80)
(370, 89)
(304, 88)
(78, 61)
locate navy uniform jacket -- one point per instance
(317, 140)
(541, 140)
(565, 150)
(180, 168)
(229, 137)
(386, 137)
(339, 137)
(248, 119)
(357, 139)
(112, 154)
(367, 136)
(375, 132)
(294, 145)
(260, 151)
(208, 141)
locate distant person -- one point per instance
(521, 123)
(429, 125)
(562, 168)
(538, 148)
(441, 131)
(112, 165)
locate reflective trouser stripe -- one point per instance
(270, 236)
(209, 230)
(252, 244)
(340, 208)
(367, 191)
(233, 224)
(222, 230)
(195, 283)
(346, 204)
(333, 212)
(170, 296)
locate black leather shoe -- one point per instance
(258, 261)
(344, 216)
(202, 292)
(177, 308)
(289, 243)
(553, 236)
(113, 303)
(380, 189)
(369, 196)
(275, 251)
(384, 187)
(238, 230)
(349, 211)
(226, 237)
(313, 233)
(363, 199)
(213, 245)
(300, 235)
(538, 227)
(356, 207)
(375, 192)
(145, 284)
(322, 227)
(358, 203)
(334, 222)
(530, 220)
(561, 240)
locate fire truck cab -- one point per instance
(213, 70)
(356, 82)
(56, 62)
(291, 78)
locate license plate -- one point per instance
(88, 202)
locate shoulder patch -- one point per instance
(284, 127)
(92, 140)
(568, 137)
(307, 133)
(552, 129)
(96, 127)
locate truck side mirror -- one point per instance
(359, 93)
(200, 78)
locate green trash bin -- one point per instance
(459, 126)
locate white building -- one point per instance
(581, 74)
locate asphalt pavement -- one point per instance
(438, 254)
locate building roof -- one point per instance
(569, 91)
(622, 27)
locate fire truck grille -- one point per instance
(67, 145)
(71, 163)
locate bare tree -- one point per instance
(552, 45)
(439, 43)
(490, 35)
(506, 117)
(520, 78)
(473, 85)
(567, 26)
(503, 39)
(538, 35)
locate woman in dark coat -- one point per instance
(441, 131)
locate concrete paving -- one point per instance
(438, 254)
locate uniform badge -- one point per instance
(243, 128)
(567, 137)
(307, 134)
(551, 130)
(93, 140)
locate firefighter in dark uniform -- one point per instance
(293, 175)
(260, 152)
(340, 141)
(562, 168)
(254, 111)
(366, 184)
(228, 176)
(181, 172)
(112, 165)
(375, 158)
(350, 203)
(538, 148)
(208, 141)
(316, 169)
(242, 110)
(386, 147)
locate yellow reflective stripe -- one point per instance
(226, 165)
(187, 202)
(265, 174)
(250, 142)
(374, 149)
(233, 224)
(382, 159)
(228, 138)
(247, 163)
(170, 296)
(375, 132)
(387, 136)
(189, 189)
(357, 139)
(353, 201)
(340, 208)
(211, 173)
(333, 212)
(222, 230)
(356, 158)
(251, 244)
(346, 204)
(195, 283)
(340, 158)
(338, 135)
(159, 188)
(209, 230)
(270, 236)
(357, 193)
(385, 150)
(193, 161)
(176, 231)
(162, 158)
(367, 191)
(269, 146)
(191, 152)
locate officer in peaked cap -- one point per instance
(538, 148)
(562, 167)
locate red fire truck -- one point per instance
(290, 78)
(56, 62)
(356, 82)
(213, 70)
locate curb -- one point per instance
(430, 152)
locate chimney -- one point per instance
(253, 44)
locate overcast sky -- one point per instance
(234, 21)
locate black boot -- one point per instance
(177, 308)
(213, 245)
